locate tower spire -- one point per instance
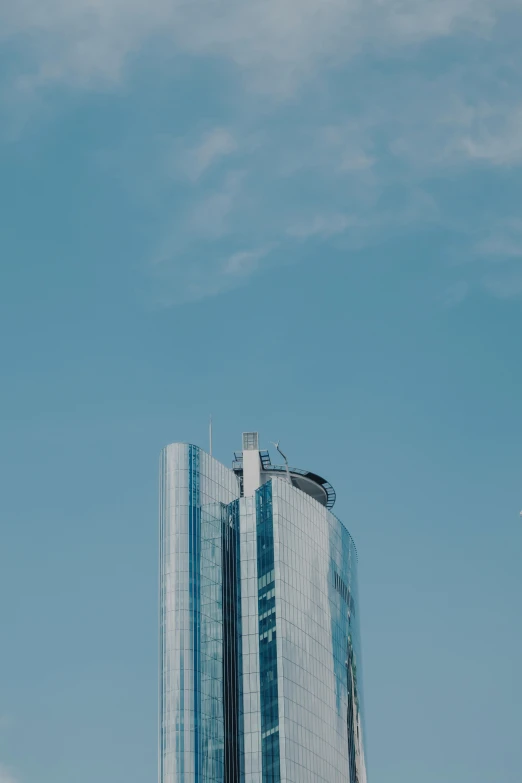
(286, 462)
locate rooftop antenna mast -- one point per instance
(286, 461)
(210, 435)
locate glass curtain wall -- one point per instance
(259, 632)
(198, 559)
(318, 652)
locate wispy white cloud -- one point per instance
(195, 259)
(209, 217)
(215, 145)
(324, 226)
(493, 262)
(455, 119)
(80, 42)
(456, 293)
(6, 775)
(350, 171)
(349, 142)
(198, 277)
(244, 263)
(503, 241)
(506, 285)
(276, 42)
(497, 139)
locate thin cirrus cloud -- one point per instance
(347, 208)
(210, 216)
(6, 776)
(507, 285)
(455, 293)
(84, 42)
(324, 226)
(365, 154)
(498, 141)
(198, 278)
(503, 241)
(244, 262)
(216, 144)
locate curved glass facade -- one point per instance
(259, 636)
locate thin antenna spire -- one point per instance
(286, 462)
(210, 435)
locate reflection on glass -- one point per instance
(259, 635)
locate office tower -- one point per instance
(259, 629)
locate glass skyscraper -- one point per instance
(259, 629)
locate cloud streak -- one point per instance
(324, 226)
(499, 141)
(507, 285)
(6, 775)
(503, 242)
(276, 43)
(215, 145)
(340, 126)
(210, 216)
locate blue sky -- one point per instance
(305, 219)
